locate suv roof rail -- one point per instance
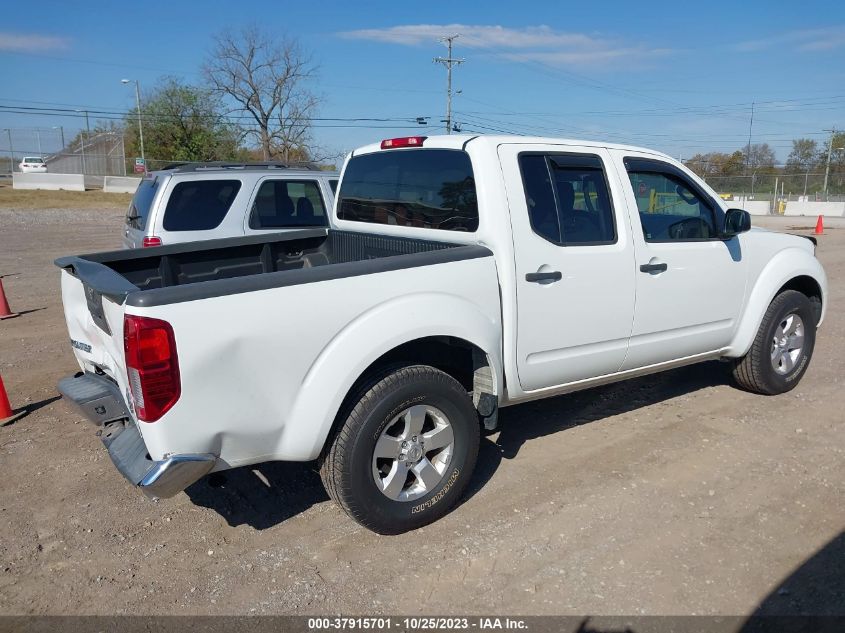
(221, 164)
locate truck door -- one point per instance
(574, 263)
(690, 282)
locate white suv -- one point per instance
(207, 201)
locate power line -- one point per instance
(120, 115)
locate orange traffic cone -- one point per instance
(819, 226)
(5, 310)
(6, 413)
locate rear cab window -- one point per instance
(199, 205)
(142, 201)
(424, 188)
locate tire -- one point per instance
(414, 405)
(770, 367)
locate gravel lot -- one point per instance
(671, 494)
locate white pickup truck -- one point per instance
(461, 274)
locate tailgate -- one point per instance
(95, 326)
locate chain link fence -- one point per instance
(94, 155)
(788, 186)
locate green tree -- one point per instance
(761, 159)
(99, 127)
(836, 183)
(802, 162)
(182, 123)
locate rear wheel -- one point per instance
(783, 347)
(405, 451)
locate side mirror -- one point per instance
(736, 221)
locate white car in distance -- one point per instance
(33, 165)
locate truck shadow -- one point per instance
(522, 423)
(816, 588)
(260, 496)
(264, 495)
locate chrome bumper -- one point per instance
(99, 400)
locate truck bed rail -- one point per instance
(189, 272)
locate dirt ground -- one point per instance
(670, 494)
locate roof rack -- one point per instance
(220, 164)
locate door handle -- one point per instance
(653, 268)
(541, 277)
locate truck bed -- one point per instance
(186, 272)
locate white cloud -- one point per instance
(30, 42)
(533, 43)
(806, 40)
(574, 58)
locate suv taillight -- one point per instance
(149, 241)
(152, 365)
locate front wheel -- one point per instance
(783, 347)
(405, 452)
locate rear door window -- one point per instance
(287, 203)
(139, 208)
(567, 198)
(333, 185)
(200, 205)
(425, 188)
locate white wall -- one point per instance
(68, 182)
(754, 207)
(120, 184)
(833, 209)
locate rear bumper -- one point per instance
(96, 397)
(100, 401)
(157, 479)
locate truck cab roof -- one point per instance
(462, 141)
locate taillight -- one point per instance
(405, 141)
(152, 240)
(152, 365)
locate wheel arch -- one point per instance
(809, 287)
(790, 269)
(447, 332)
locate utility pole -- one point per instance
(87, 125)
(61, 129)
(748, 152)
(448, 62)
(11, 152)
(140, 125)
(827, 166)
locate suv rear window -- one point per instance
(285, 203)
(139, 208)
(425, 188)
(200, 205)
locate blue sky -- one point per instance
(675, 76)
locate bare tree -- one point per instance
(292, 138)
(267, 78)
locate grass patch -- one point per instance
(41, 199)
